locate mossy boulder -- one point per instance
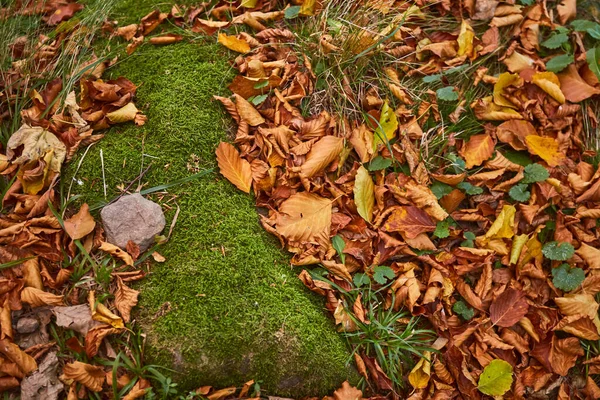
(226, 306)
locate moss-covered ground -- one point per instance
(236, 310)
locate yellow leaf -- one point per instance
(117, 252)
(420, 374)
(549, 83)
(305, 217)
(233, 43)
(308, 7)
(249, 3)
(505, 80)
(101, 313)
(485, 109)
(546, 148)
(124, 114)
(36, 142)
(388, 124)
(465, 39)
(364, 194)
(233, 167)
(247, 111)
(517, 247)
(33, 175)
(478, 149)
(503, 226)
(322, 153)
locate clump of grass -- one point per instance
(393, 337)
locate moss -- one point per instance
(237, 310)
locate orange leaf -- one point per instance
(247, 111)
(478, 149)
(233, 167)
(347, 392)
(546, 148)
(233, 43)
(116, 252)
(80, 224)
(24, 361)
(88, 375)
(38, 298)
(305, 217)
(323, 153)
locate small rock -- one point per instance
(27, 325)
(134, 218)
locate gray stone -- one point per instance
(134, 218)
(27, 325)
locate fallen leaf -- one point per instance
(322, 153)
(95, 336)
(38, 298)
(574, 87)
(496, 378)
(347, 392)
(478, 149)
(125, 299)
(101, 313)
(364, 194)
(90, 376)
(410, 221)
(567, 10)
(305, 217)
(508, 308)
(233, 167)
(80, 224)
(116, 252)
(233, 43)
(546, 148)
(77, 318)
(12, 352)
(124, 114)
(549, 83)
(421, 372)
(387, 126)
(247, 112)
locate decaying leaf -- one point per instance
(80, 224)
(90, 376)
(125, 299)
(117, 252)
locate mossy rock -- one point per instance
(226, 306)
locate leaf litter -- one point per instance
(494, 246)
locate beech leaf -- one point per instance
(364, 194)
(80, 224)
(496, 378)
(508, 308)
(233, 167)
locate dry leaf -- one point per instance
(125, 299)
(478, 149)
(233, 167)
(233, 43)
(322, 153)
(90, 376)
(305, 217)
(80, 224)
(116, 252)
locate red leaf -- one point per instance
(508, 308)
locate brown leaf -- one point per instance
(38, 298)
(322, 153)
(63, 13)
(116, 252)
(590, 255)
(90, 376)
(233, 167)
(478, 149)
(169, 38)
(409, 220)
(127, 32)
(424, 198)
(567, 10)
(77, 318)
(347, 392)
(564, 354)
(574, 87)
(94, 338)
(80, 224)
(125, 299)
(508, 308)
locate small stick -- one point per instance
(103, 176)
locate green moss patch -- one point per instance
(226, 306)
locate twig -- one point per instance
(103, 177)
